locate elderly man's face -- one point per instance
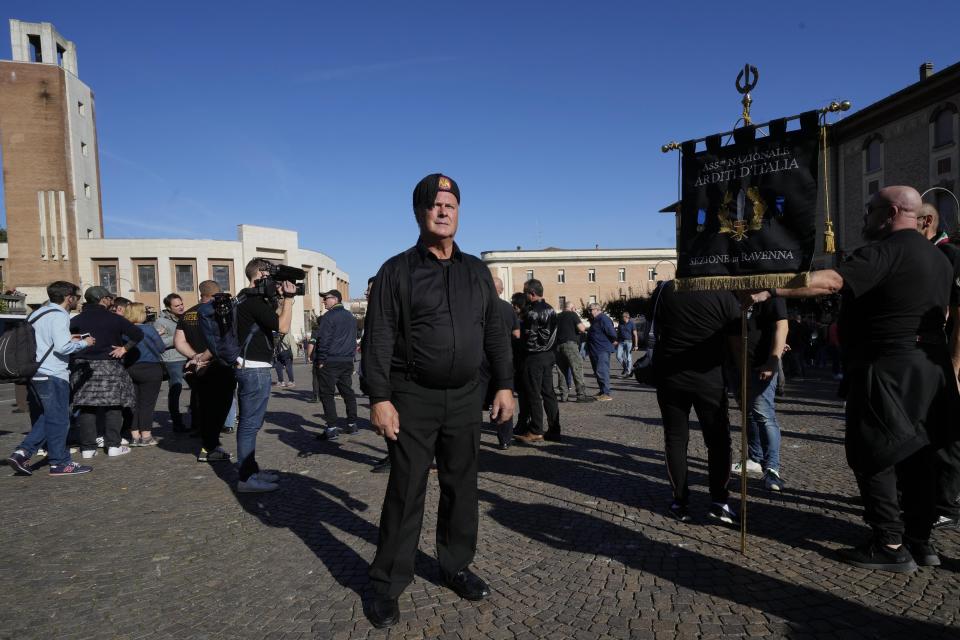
(329, 302)
(440, 221)
(594, 311)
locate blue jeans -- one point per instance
(49, 402)
(601, 367)
(232, 415)
(625, 356)
(253, 393)
(174, 387)
(763, 430)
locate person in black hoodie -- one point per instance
(100, 385)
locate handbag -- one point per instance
(643, 367)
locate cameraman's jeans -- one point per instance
(763, 430)
(625, 356)
(253, 393)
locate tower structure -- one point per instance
(51, 173)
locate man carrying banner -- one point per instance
(901, 385)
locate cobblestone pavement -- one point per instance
(574, 540)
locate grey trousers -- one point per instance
(569, 356)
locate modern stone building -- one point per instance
(583, 276)
(48, 142)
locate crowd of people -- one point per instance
(440, 346)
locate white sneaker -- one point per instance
(753, 468)
(267, 476)
(124, 441)
(41, 453)
(86, 454)
(254, 484)
(118, 451)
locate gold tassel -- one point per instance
(829, 242)
(743, 283)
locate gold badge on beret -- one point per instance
(444, 183)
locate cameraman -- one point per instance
(258, 314)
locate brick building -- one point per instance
(583, 276)
(48, 145)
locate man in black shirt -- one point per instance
(539, 332)
(901, 387)
(511, 324)
(212, 383)
(692, 329)
(948, 458)
(257, 319)
(766, 340)
(431, 319)
(570, 327)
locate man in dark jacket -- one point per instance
(431, 320)
(333, 358)
(539, 334)
(601, 342)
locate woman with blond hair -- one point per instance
(144, 364)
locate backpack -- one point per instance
(18, 351)
(218, 322)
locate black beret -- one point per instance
(425, 193)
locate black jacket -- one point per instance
(453, 321)
(539, 331)
(107, 328)
(337, 337)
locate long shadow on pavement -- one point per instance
(807, 610)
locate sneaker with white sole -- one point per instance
(20, 462)
(253, 484)
(86, 454)
(217, 455)
(41, 453)
(772, 480)
(122, 450)
(722, 512)
(753, 468)
(69, 469)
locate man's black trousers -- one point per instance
(948, 481)
(915, 477)
(214, 390)
(337, 376)
(538, 379)
(441, 423)
(711, 408)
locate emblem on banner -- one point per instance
(701, 219)
(737, 207)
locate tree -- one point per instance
(3, 234)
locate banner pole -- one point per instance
(744, 367)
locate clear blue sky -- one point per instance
(321, 116)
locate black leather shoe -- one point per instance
(383, 612)
(468, 586)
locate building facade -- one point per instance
(583, 276)
(911, 137)
(48, 141)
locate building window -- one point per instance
(562, 303)
(107, 274)
(81, 108)
(651, 273)
(83, 149)
(185, 278)
(561, 276)
(946, 205)
(593, 299)
(592, 276)
(943, 166)
(873, 155)
(147, 278)
(943, 128)
(872, 187)
(87, 191)
(621, 275)
(529, 274)
(220, 273)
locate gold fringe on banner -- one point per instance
(744, 283)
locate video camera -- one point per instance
(267, 287)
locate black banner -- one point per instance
(748, 210)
